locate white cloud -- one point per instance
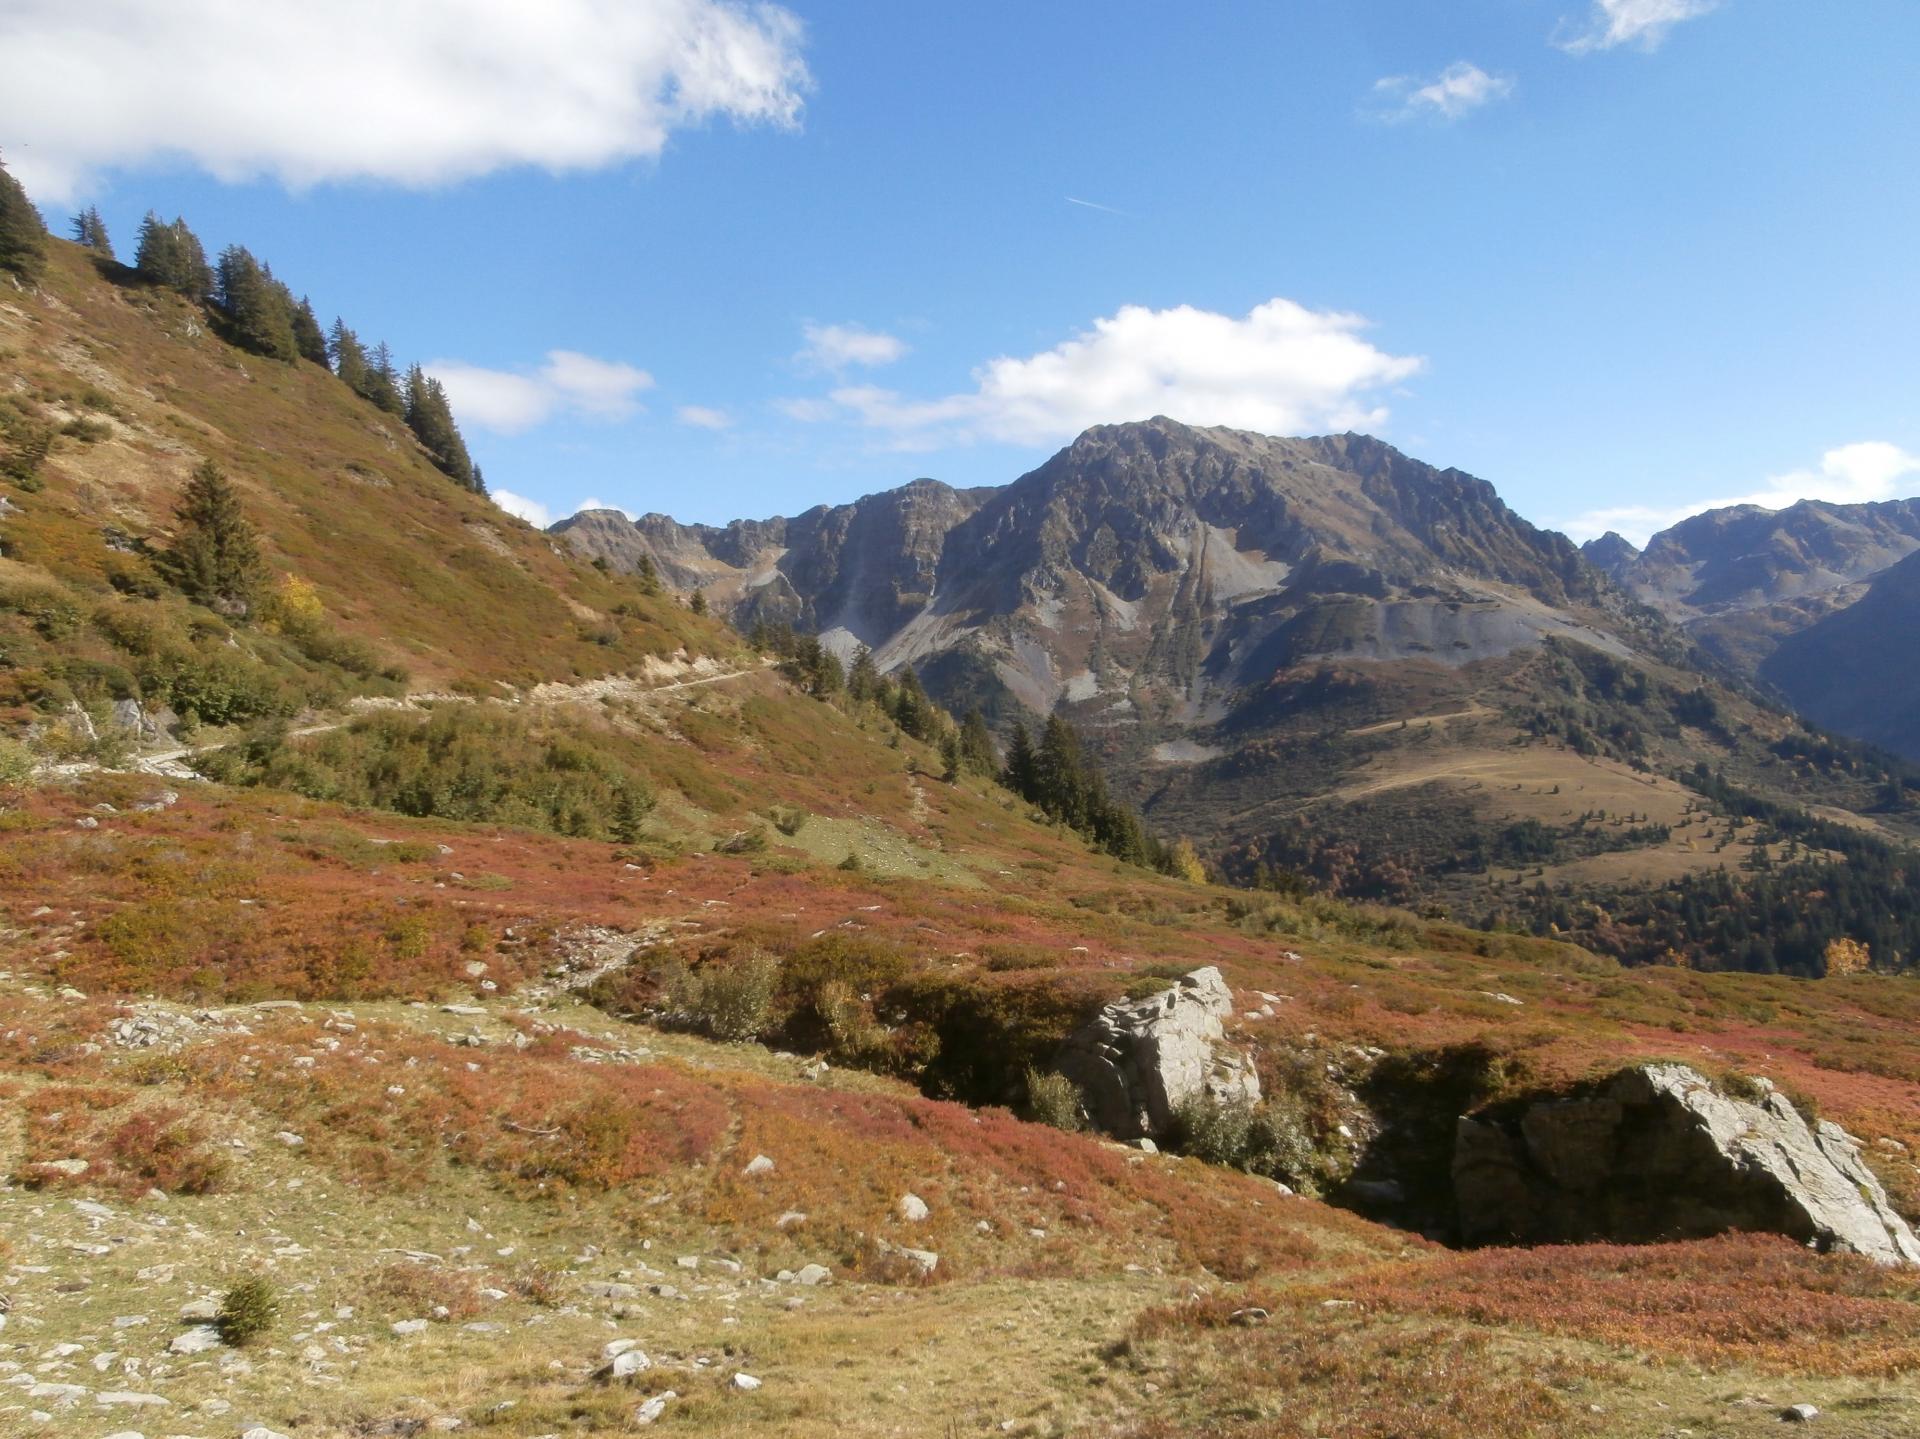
(807, 411)
(413, 94)
(1456, 91)
(1628, 22)
(1282, 369)
(598, 504)
(1850, 475)
(837, 347)
(519, 506)
(704, 417)
(508, 402)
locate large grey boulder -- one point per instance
(1659, 1153)
(1139, 1060)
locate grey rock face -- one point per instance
(1660, 1154)
(1138, 1060)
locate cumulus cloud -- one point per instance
(507, 401)
(703, 417)
(1850, 475)
(1628, 22)
(1281, 369)
(520, 507)
(412, 94)
(840, 347)
(1458, 90)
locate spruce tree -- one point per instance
(90, 230)
(863, 676)
(257, 306)
(23, 234)
(307, 337)
(171, 255)
(383, 381)
(430, 417)
(976, 744)
(349, 360)
(1019, 773)
(215, 557)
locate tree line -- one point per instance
(255, 310)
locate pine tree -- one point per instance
(1019, 775)
(383, 381)
(430, 417)
(1058, 780)
(863, 677)
(171, 255)
(697, 602)
(215, 557)
(648, 578)
(349, 360)
(257, 306)
(307, 337)
(976, 744)
(23, 234)
(90, 230)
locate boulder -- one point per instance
(1658, 1153)
(1138, 1060)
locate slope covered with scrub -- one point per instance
(564, 977)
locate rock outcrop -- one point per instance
(1659, 1153)
(1138, 1060)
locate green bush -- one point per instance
(733, 1000)
(1272, 1140)
(1054, 1099)
(247, 1311)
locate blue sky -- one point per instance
(1622, 258)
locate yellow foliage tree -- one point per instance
(1186, 863)
(1848, 956)
(295, 607)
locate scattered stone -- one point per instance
(813, 1274)
(404, 1327)
(1800, 1414)
(792, 1219)
(912, 1208)
(922, 1261)
(197, 1340)
(654, 1407)
(626, 1364)
(757, 1166)
(71, 1168)
(200, 1311)
(1138, 1060)
(745, 1382)
(123, 1399)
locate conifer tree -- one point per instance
(430, 417)
(171, 255)
(383, 381)
(863, 676)
(23, 234)
(697, 602)
(215, 557)
(648, 578)
(1019, 773)
(257, 306)
(976, 744)
(307, 337)
(349, 359)
(90, 230)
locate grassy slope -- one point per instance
(543, 1149)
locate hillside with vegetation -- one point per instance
(451, 985)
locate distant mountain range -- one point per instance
(1324, 655)
(1769, 593)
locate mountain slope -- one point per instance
(1743, 579)
(1853, 672)
(1316, 656)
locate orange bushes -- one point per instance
(126, 1147)
(1738, 1299)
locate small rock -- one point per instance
(200, 1311)
(260, 1431)
(404, 1327)
(654, 1407)
(626, 1364)
(1800, 1414)
(745, 1382)
(912, 1208)
(71, 1168)
(197, 1340)
(758, 1165)
(812, 1274)
(791, 1219)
